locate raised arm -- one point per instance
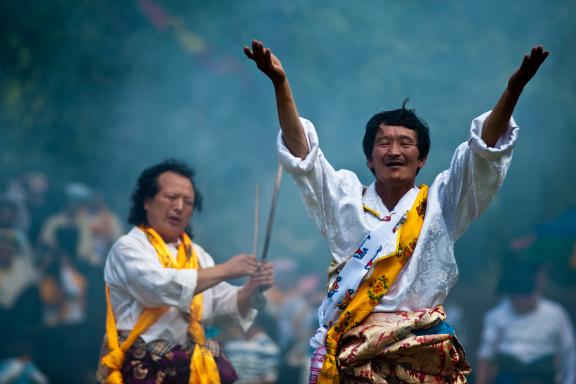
(292, 130)
(496, 123)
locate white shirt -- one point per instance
(334, 201)
(137, 280)
(547, 331)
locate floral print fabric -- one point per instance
(385, 350)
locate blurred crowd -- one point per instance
(53, 245)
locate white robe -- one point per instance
(137, 280)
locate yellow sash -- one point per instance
(203, 369)
(374, 287)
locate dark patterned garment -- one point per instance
(161, 362)
(141, 366)
(157, 362)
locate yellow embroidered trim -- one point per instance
(374, 287)
(372, 211)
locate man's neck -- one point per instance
(171, 240)
(391, 194)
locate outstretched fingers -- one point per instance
(265, 61)
(257, 51)
(530, 65)
(533, 61)
(248, 53)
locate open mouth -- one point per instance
(394, 164)
(174, 220)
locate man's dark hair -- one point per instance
(402, 117)
(147, 187)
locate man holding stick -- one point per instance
(162, 289)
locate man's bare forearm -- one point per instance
(209, 277)
(292, 130)
(497, 121)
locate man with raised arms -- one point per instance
(392, 242)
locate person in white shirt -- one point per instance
(526, 338)
(156, 276)
(392, 243)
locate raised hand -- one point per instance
(527, 69)
(497, 122)
(266, 62)
(292, 130)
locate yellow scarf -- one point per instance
(373, 288)
(203, 369)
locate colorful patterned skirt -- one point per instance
(403, 347)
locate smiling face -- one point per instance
(170, 210)
(395, 156)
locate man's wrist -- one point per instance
(515, 88)
(247, 290)
(280, 83)
(244, 295)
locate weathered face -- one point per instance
(170, 210)
(395, 155)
